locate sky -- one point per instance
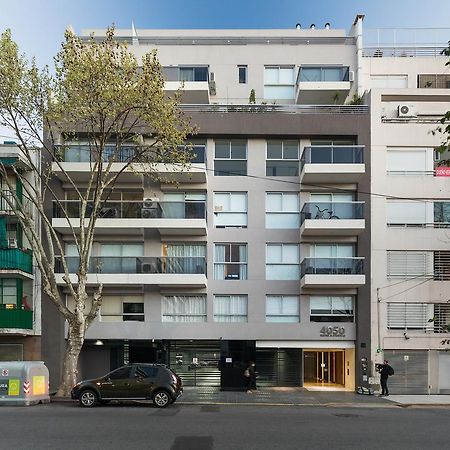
(38, 25)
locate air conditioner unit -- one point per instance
(150, 202)
(149, 213)
(12, 243)
(351, 76)
(218, 208)
(406, 111)
(148, 268)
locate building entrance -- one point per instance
(325, 368)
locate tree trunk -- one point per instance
(74, 344)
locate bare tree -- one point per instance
(101, 93)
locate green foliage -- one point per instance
(252, 98)
(356, 100)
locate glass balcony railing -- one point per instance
(323, 73)
(332, 266)
(134, 209)
(136, 264)
(332, 210)
(333, 154)
(13, 317)
(16, 259)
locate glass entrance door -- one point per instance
(324, 367)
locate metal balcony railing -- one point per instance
(16, 259)
(13, 317)
(332, 266)
(134, 209)
(9, 202)
(136, 264)
(332, 210)
(333, 154)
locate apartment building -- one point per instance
(409, 93)
(240, 261)
(20, 316)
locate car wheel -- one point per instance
(161, 399)
(88, 398)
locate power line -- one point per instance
(406, 290)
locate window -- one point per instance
(331, 309)
(409, 162)
(184, 258)
(8, 291)
(324, 73)
(441, 265)
(184, 308)
(389, 81)
(282, 262)
(186, 73)
(242, 70)
(282, 210)
(279, 83)
(146, 372)
(282, 158)
(230, 209)
(118, 258)
(230, 308)
(412, 213)
(409, 316)
(434, 81)
(183, 205)
(120, 374)
(230, 261)
(442, 214)
(230, 158)
(282, 308)
(332, 251)
(409, 264)
(118, 308)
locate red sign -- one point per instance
(442, 171)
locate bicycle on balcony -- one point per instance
(325, 214)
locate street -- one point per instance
(217, 427)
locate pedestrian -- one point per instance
(250, 377)
(385, 372)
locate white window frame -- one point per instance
(428, 169)
(165, 316)
(218, 210)
(243, 265)
(295, 266)
(404, 264)
(234, 318)
(283, 212)
(278, 84)
(409, 315)
(272, 318)
(332, 314)
(394, 205)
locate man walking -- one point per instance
(385, 372)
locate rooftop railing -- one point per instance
(332, 266)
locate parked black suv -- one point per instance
(131, 382)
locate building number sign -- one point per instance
(332, 331)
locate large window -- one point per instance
(282, 262)
(116, 258)
(279, 83)
(332, 251)
(282, 210)
(331, 309)
(408, 316)
(185, 73)
(8, 291)
(121, 308)
(409, 162)
(409, 264)
(442, 214)
(230, 308)
(282, 308)
(185, 258)
(324, 73)
(230, 261)
(408, 213)
(282, 158)
(230, 209)
(230, 158)
(184, 308)
(434, 81)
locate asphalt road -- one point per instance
(67, 426)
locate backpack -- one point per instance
(391, 371)
(247, 373)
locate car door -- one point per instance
(117, 384)
(144, 381)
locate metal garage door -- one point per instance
(279, 367)
(411, 371)
(444, 373)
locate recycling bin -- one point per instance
(23, 383)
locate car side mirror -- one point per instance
(107, 379)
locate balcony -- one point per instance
(332, 218)
(16, 261)
(12, 155)
(75, 161)
(332, 164)
(13, 318)
(174, 218)
(193, 81)
(10, 201)
(145, 270)
(325, 85)
(332, 272)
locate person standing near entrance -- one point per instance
(250, 377)
(385, 372)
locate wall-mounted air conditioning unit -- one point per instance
(149, 268)
(406, 111)
(351, 76)
(12, 243)
(150, 208)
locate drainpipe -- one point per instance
(358, 33)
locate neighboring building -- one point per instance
(20, 317)
(409, 93)
(263, 251)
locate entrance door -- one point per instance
(324, 367)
